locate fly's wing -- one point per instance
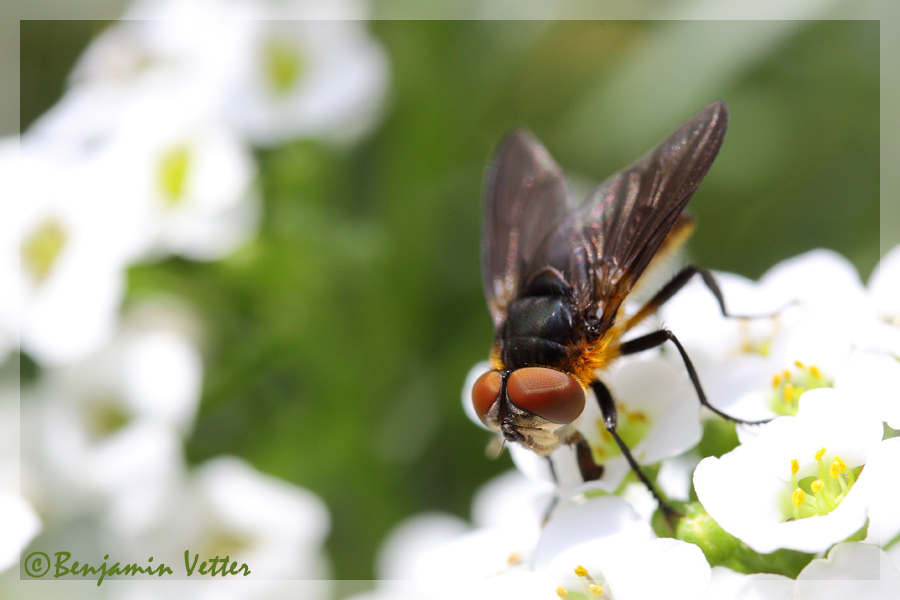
(607, 243)
(525, 200)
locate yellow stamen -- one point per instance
(786, 374)
(776, 381)
(795, 466)
(514, 559)
(797, 497)
(838, 466)
(816, 486)
(820, 453)
(595, 589)
(788, 393)
(799, 364)
(581, 571)
(562, 592)
(815, 372)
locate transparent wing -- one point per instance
(603, 247)
(525, 201)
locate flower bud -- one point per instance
(698, 528)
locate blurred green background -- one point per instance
(339, 339)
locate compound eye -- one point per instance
(552, 395)
(485, 393)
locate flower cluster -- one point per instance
(149, 154)
(800, 505)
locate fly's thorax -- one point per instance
(539, 330)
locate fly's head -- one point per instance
(533, 406)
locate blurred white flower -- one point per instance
(410, 539)
(181, 179)
(274, 526)
(851, 570)
(19, 524)
(73, 254)
(109, 428)
(467, 566)
(188, 179)
(726, 583)
(413, 537)
(884, 518)
(602, 542)
(884, 288)
(227, 508)
(474, 373)
(800, 483)
(10, 278)
(228, 512)
(881, 341)
(275, 70)
(599, 546)
(172, 40)
(306, 78)
(512, 500)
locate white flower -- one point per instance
(779, 490)
(880, 381)
(174, 40)
(280, 527)
(585, 547)
(726, 583)
(884, 290)
(604, 541)
(406, 542)
(634, 569)
(186, 176)
(73, 255)
(755, 369)
(474, 373)
(277, 70)
(180, 179)
(884, 518)
(109, 429)
(413, 537)
(229, 509)
(512, 500)
(10, 309)
(19, 524)
(851, 570)
(302, 77)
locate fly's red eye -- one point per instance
(550, 394)
(485, 392)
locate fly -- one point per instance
(556, 276)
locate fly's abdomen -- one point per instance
(539, 331)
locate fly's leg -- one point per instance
(610, 421)
(590, 471)
(555, 499)
(674, 286)
(660, 337)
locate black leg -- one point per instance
(678, 282)
(660, 337)
(590, 471)
(555, 499)
(610, 418)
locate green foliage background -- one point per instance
(337, 342)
